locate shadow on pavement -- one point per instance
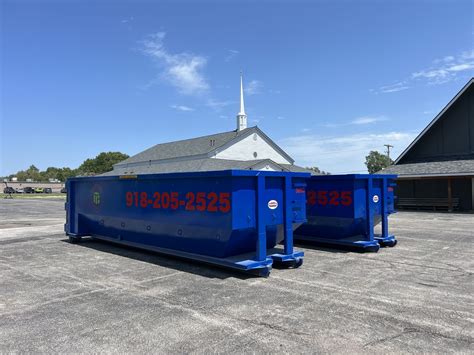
(327, 247)
(168, 261)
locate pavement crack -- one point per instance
(410, 330)
(272, 326)
(392, 337)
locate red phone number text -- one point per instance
(199, 201)
(332, 198)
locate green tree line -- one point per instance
(100, 164)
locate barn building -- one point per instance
(436, 171)
(247, 148)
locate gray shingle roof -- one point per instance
(438, 168)
(297, 169)
(187, 147)
(199, 147)
(205, 164)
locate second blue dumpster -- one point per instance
(231, 218)
(343, 210)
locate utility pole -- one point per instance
(388, 149)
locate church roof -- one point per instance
(194, 147)
(436, 119)
(193, 165)
(432, 169)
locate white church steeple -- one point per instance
(241, 116)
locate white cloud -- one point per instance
(231, 54)
(346, 153)
(217, 104)
(280, 118)
(400, 86)
(182, 70)
(368, 120)
(447, 59)
(364, 120)
(446, 69)
(333, 125)
(127, 20)
(442, 71)
(182, 108)
(253, 87)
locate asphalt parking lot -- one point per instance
(96, 297)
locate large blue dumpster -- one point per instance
(233, 218)
(343, 210)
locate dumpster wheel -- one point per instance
(298, 263)
(392, 244)
(289, 264)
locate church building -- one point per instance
(436, 171)
(247, 148)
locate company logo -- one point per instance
(375, 198)
(272, 204)
(96, 198)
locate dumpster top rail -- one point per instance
(217, 173)
(353, 176)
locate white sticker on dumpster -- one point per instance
(272, 204)
(375, 198)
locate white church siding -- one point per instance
(250, 148)
(267, 166)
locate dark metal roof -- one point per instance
(204, 164)
(432, 169)
(195, 147)
(438, 116)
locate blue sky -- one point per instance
(327, 80)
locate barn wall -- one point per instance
(461, 188)
(451, 137)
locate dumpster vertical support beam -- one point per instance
(71, 218)
(288, 225)
(450, 196)
(370, 214)
(261, 254)
(384, 208)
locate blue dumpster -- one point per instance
(232, 218)
(343, 210)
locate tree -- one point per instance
(317, 170)
(66, 173)
(102, 163)
(376, 161)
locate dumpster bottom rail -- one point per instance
(355, 242)
(243, 262)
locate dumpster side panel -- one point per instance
(182, 214)
(346, 207)
(208, 214)
(331, 207)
